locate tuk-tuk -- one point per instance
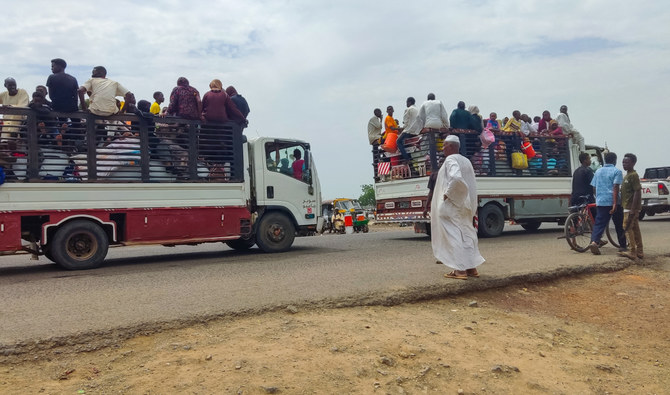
(333, 219)
(360, 219)
(334, 211)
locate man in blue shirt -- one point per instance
(607, 182)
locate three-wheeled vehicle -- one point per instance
(360, 219)
(333, 219)
(334, 211)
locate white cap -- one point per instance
(452, 139)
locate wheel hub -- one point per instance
(81, 246)
(276, 232)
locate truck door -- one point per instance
(288, 180)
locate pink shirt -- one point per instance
(297, 168)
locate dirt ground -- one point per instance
(602, 333)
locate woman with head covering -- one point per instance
(217, 108)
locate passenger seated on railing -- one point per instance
(543, 125)
(62, 87)
(218, 107)
(411, 112)
(527, 127)
(239, 100)
(185, 101)
(536, 123)
(159, 98)
(44, 91)
(12, 97)
(555, 130)
(375, 128)
(492, 123)
(563, 120)
(103, 93)
(391, 130)
(460, 118)
(432, 116)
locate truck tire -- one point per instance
(641, 215)
(491, 221)
(531, 226)
(48, 254)
(79, 245)
(241, 244)
(275, 233)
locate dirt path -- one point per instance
(603, 333)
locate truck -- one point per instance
(76, 184)
(529, 196)
(655, 191)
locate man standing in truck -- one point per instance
(453, 211)
(631, 196)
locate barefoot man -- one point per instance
(453, 209)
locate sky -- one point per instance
(315, 70)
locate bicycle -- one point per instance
(579, 226)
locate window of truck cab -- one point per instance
(280, 157)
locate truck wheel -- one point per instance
(641, 215)
(79, 245)
(241, 244)
(48, 254)
(275, 233)
(531, 226)
(491, 221)
(365, 229)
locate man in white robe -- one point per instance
(432, 115)
(563, 120)
(453, 208)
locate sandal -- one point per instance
(472, 273)
(456, 275)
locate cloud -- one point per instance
(314, 70)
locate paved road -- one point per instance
(141, 286)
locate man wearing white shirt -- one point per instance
(411, 112)
(103, 93)
(432, 115)
(563, 120)
(12, 97)
(527, 127)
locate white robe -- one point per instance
(454, 238)
(563, 121)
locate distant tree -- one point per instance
(367, 198)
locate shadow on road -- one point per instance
(160, 261)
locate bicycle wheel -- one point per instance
(611, 234)
(578, 231)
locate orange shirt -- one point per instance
(389, 123)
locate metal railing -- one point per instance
(83, 147)
(551, 159)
